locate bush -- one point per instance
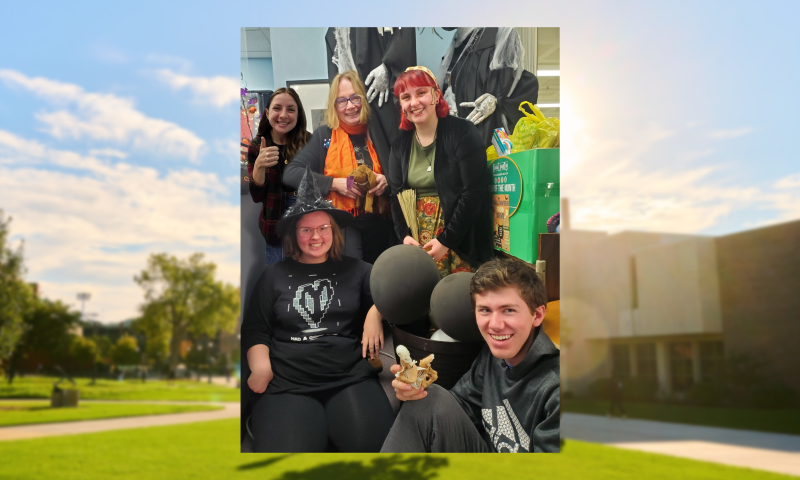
(709, 394)
(774, 395)
(640, 389)
(600, 388)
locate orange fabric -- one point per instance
(552, 322)
(340, 162)
(353, 130)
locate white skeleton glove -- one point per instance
(484, 106)
(378, 83)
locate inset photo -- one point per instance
(400, 222)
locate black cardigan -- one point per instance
(462, 180)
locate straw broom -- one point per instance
(408, 203)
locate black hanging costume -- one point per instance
(470, 76)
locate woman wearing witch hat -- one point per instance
(306, 333)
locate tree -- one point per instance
(83, 351)
(47, 330)
(182, 296)
(157, 340)
(126, 351)
(15, 295)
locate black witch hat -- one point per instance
(310, 199)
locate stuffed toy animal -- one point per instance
(365, 179)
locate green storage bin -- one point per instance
(526, 193)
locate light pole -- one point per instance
(210, 359)
(84, 297)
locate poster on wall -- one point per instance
(501, 237)
(314, 95)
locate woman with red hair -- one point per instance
(443, 159)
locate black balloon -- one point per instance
(451, 308)
(401, 282)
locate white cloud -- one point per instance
(109, 54)
(107, 152)
(648, 182)
(106, 117)
(792, 181)
(91, 225)
(727, 134)
(177, 62)
(218, 91)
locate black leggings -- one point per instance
(355, 418)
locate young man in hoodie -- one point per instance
(509, 400)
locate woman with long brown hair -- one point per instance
(281, 134)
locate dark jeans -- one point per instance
(355, 418)
(435, 423)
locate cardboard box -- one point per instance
(526, 192)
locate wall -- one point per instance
(759, 275)
(298, 54)
(431, 49)
(678, 291)
(258, 73)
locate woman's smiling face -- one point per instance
(350, 114)
(282, 113)
(418, 104)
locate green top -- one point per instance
(420, 169)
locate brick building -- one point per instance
(671, 307)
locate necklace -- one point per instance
(430, 161)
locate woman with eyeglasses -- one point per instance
(443, 159)
(306, 333)
(336, 150)
(281, 134)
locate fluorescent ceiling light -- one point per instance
(548, 73)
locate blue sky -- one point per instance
(118, 125)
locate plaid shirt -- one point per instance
(271, 194)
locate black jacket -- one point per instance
(518, 408)
(462, 180)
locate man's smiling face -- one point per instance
(506, 322)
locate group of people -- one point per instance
(438, 155)
(311, 323)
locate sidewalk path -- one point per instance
(17, 432)
(774, 452)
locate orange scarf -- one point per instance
(341, 161)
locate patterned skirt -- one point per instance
(431, 224)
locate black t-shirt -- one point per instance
(312, 318)
(360, 149)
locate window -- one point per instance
(646, 360)
(680, 362)
(712, 360)
(621, 359)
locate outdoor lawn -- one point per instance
(105, 389)
(36, 411)
(777, 420)
(210, 450)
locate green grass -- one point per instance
(30, 412)
(210, 450)
(179, 390)
(778, 420)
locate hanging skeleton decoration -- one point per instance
(484, 79)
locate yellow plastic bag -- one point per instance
(545, 131)
(525, 129)
(491, 152)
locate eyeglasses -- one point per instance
(341, 102)
(306, 232)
